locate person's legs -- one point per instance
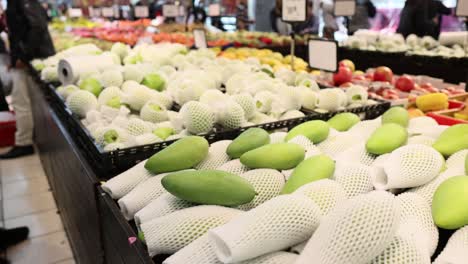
(3, 102)
(24, 120)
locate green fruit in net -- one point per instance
(397, 115)
(164, 132)
(250, 139)
(344, 121)
(91, 85)
(449, 204)
(114, 102)
(154, 81)
(316, 131)
(273, 156)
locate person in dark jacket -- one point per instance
(365, 9)
(436, 10)
(415, 19)
(29, 39)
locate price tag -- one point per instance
(96, 12)
(200, 39)
(141, 11)
(323, 54)
(214, 10)
(107, 12)
(116, 11)
(461, 9)
(75, 12)
(344, 8)
(294, 10)
(170, 10)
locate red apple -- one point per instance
(346, 85)
(349, 64)
(359, 78)
(343, 75)
(383, 74)
(404, 83)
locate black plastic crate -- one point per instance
(364, 112)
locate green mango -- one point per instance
(209, 187)
(397, 115)
(449, 204)
(154, 81)
(250, 139)
(466, 165)
(453, 139)
(279, 156)
(317, 131)
(344, 121)
(313, 169)
(386, 139)
(183, 154)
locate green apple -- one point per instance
(141, 236)
(114, 102)
(155, 107)
(91, 85)
(449, 204)
(164, 132)
(154, 81)
(111, 136)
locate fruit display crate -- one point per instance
(364, 112)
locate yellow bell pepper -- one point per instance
(432, 102)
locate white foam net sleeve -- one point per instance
(423, 140)
(409, 166)
(287, 173)
(280, 257)
(427, 190)
(364, 129)
(419, 125)
(299, 247)
(339, 143)
(163, 205)
(354, 177)
(325, 193)
(457, 161)
(199, 251)
(141, 196)
(172, 232)
(277, 137)
(356, 154)
(415, 209)
(234, 167)
(263, 230)
(216, 156)
(435, 132)
(456, 250)
(123, 183)
(302, 141)
(267, 183)
(356, 231)
(312, 151)
(404, 248)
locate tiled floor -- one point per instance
(26, 200)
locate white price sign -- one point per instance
(170, 11)
(344, 8)
(94, 12)
(462, 8)
(75, 12)
(294, 10)
(107, 12)
(116, 11)
(323, 54)
(141, 11)
(214, 10)
(200, 39)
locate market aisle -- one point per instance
(28, 201)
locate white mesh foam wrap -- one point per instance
(277, 137)
(427, 190)
(312, 151)
(364, 129)
(421, 124)
(234, 167)
(263, 230)
(170, 233)
(456, 250)
(325, 193)
(457, 161)
(199, 251)
(280, 257)
(339, 143)
(299, 248)
(302, 141)
(354, 177)
(415, 209)
(356, 154)
(141, 196)
(123, 183)
(409, 166)
(266, 182)
(163, 205)
(356, 231)
(216, 156)
(424, 140)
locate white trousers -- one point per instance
(21, 103)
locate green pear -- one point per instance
(453, 139)
(449, 204)
(397, 115)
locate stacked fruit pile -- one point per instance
(348, 191)
(426, 46)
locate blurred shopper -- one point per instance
(5, 80)
(365, 9)
(29, 39)
(242, 15)
(436, 10)
(11, 237)
(277, 23)
(311, 25)
(415, 19)
(329, 19)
